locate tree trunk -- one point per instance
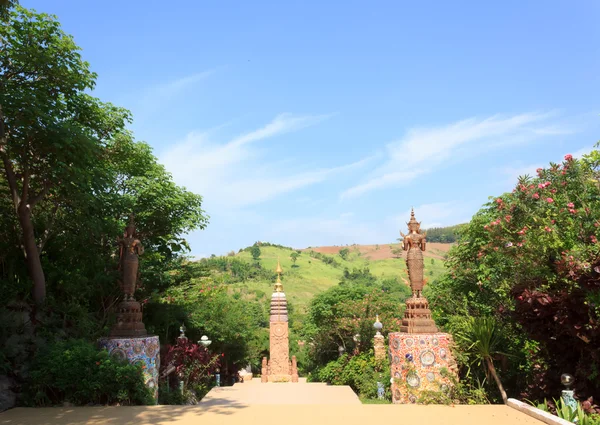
(34, 264)
(492, 370)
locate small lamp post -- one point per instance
(181, 338)
(379, 351)
(204, 341)
(567, 395)
(182, 329)
(356, 339)
(341, 350)
(378, 326)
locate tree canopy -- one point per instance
(531, 260)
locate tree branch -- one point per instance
(40, 195)
(48, 230)
(8, 168)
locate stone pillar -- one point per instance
(379, 346)
(144, 351)
(279, 368)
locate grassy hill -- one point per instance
(311, 274)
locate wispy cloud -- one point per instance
(173, 87)
(436, 214)
(348, 228)
(422, 149)
(231, 175)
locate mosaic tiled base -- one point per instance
(138, 350)
(416, 361)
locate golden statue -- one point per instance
(414, 243)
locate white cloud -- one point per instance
(230, 175)
(176, 86)
(583, 151)
(423, 148)
(346, 228)
(513, 173)
(437, 214)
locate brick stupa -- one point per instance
(419, 353)
(279, 368)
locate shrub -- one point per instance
(531, 260)
(77, 372)
(194, 365)
(360, 372)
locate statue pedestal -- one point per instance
(144, 350)
(416, 362)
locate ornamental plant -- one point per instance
(530, 259)
(192, 364)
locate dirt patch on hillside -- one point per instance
(384, 251)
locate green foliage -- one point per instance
(344, 253)
(294, 256)
(529, 259)
(360, 372)
(565, 411)
(324, 258)
(255, 251)
(338, 314)
(480, 340)
(444, 234)
(72, 175)
(77, 372)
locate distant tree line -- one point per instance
(447, 234)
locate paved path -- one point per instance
(256, 393)
(272, 404)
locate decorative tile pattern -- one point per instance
(144, 351)
(416, 363)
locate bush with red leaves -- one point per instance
(531, 258)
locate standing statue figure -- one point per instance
(414, 243)
(417, 315)
(129, 311)
(130, 250)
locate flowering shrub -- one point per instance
(531, 259)
(193, 365)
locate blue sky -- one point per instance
(321, 123)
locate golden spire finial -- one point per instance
(278, 270)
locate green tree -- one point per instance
(480, 339)
(52, 133)
(255, 252)
(344, 253)
(294, 256)
(530, 259)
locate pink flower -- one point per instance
(499, 200)
(539, 170)
(549, 200)
(541, 186)
(594, 240)
(568, 157)
(553, 191)
(547, 229)
(536, 196)
(571, 205)
(572, 211)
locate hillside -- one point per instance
(312, 274)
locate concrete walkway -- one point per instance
(272, 404)
(257, 393)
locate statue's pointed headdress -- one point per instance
(412, 220)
